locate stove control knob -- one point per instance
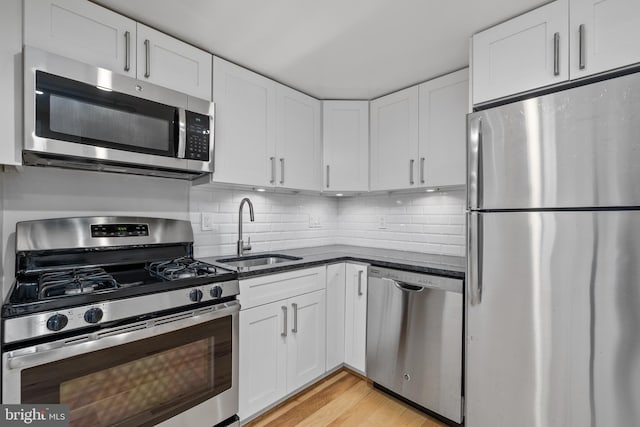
(195, 295)
(216, 292)
(57, 322)
(93, 315)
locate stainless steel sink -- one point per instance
(257, 260)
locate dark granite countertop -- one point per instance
(441, 265)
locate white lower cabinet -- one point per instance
(335, 315)
(355, 317)
(263, 357)
(347, 316)
(282, 336)
(305, 339)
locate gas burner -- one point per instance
(74, 281)
(181, 268)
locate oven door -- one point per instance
(181, 369)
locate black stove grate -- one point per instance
(74, 281)
(181, 268)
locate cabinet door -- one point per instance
(11, 122)
(355, 331)
(345, 139)
(168, 62)
(604, 35)
(83, 31)
(306, 341)
(335, 314)
(298, 140)
(444, 104)
(263, 357)
(519, 55)
(394, 140)
(245, 130)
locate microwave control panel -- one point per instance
(198, 130)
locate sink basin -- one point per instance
(257, 260)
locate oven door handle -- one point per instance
(81, 344)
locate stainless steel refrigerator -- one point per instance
(553, 289)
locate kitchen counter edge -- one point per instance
(312, 257)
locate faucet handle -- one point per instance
(247, 247)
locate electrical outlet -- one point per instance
(314, 221)
(207, 221)
(382, 222)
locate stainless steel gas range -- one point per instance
(114, 317)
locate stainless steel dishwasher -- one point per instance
(414, 338)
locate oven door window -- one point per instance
(138, 383)
(77, 112)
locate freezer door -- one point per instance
(552, 338)
(575, 148)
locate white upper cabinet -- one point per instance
(566, 39)
(298, 148)
(394, 140)
(245, 132)
(604, 35)
(345, 140)
(444, 104)
(418, 135)
(524, 53)
(267, 135)
(11, 124)
(83, 31)
(168, 62)
(86, 32)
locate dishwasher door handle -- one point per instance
(406, 287)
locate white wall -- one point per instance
(281, 220)
(419, 222)
(38, 193)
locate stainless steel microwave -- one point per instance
(84, 117)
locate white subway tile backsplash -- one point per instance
(432, 223)
(281, 220)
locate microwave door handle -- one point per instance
(182, 133)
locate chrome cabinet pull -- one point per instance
(127, 51)
(282, 170)
(284, 313)
(295, 317)
(273, 170)
(581, 50)
(147, 52)
(422, 159)
(411, 162)
(556, 54)
(360, 283)
(328, 170)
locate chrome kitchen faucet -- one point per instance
(241, 246)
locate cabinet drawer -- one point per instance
(275, 287)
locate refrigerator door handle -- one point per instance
(474, 161)
(475, 257)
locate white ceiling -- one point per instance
(331, 49)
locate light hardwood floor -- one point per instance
(343, 399)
